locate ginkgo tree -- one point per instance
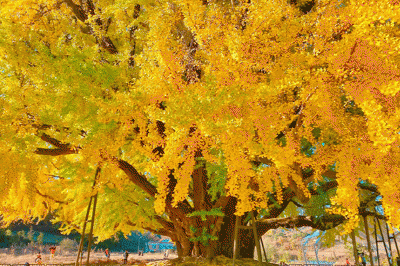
(182, 114)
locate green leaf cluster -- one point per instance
(204, 237)
(204, 213)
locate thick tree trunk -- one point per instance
(246, 244)
(226, 234)
(224, 244)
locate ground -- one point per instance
(148, 258)
(280, 245)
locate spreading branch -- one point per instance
(321, 223)
(160, 231)
(62, 148)
(103, 41)
(54, 141)
(55, 152)
(333, 184)
(137, 178)
(166, 224)
(374, 214)
(201, 198)
(50, 197)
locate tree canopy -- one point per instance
(180, 108)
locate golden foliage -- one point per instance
(240, 75)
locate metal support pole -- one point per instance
(353, 240)
(316, 252)
(368, 240)
(91, 229)
(304, 254)
(265, 254)
(384, 244)
(395, 242)
(236, 240)
(390, 245)
(253, 221)
(80, 250)
(376, 241)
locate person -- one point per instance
(363, 260)
(166, 253)
(52, 252)
(359, 259)
(347, 262)
(107, 252)
(126, 254)
(38, 259)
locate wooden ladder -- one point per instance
(238, 226)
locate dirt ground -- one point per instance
(94, 257)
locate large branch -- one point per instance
(103, 41)
(333, 184)
(221, 202)
(55, 152)
(321, 223)
(287, 195)
(166, 224)
(182, 209)
(137, 178)
(330, 174)
(50, 197)
(130, 171)
(325, 222)
(62, 148)
(77, 10)
(160, 231)
(201, 199)
(54, 141)
(324, 187)
(369, 187)
(133, 175)
(183, 206)
(297, 189)
(276, 209)
(263, 160)
(377, 215)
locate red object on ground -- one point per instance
(52, 250)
